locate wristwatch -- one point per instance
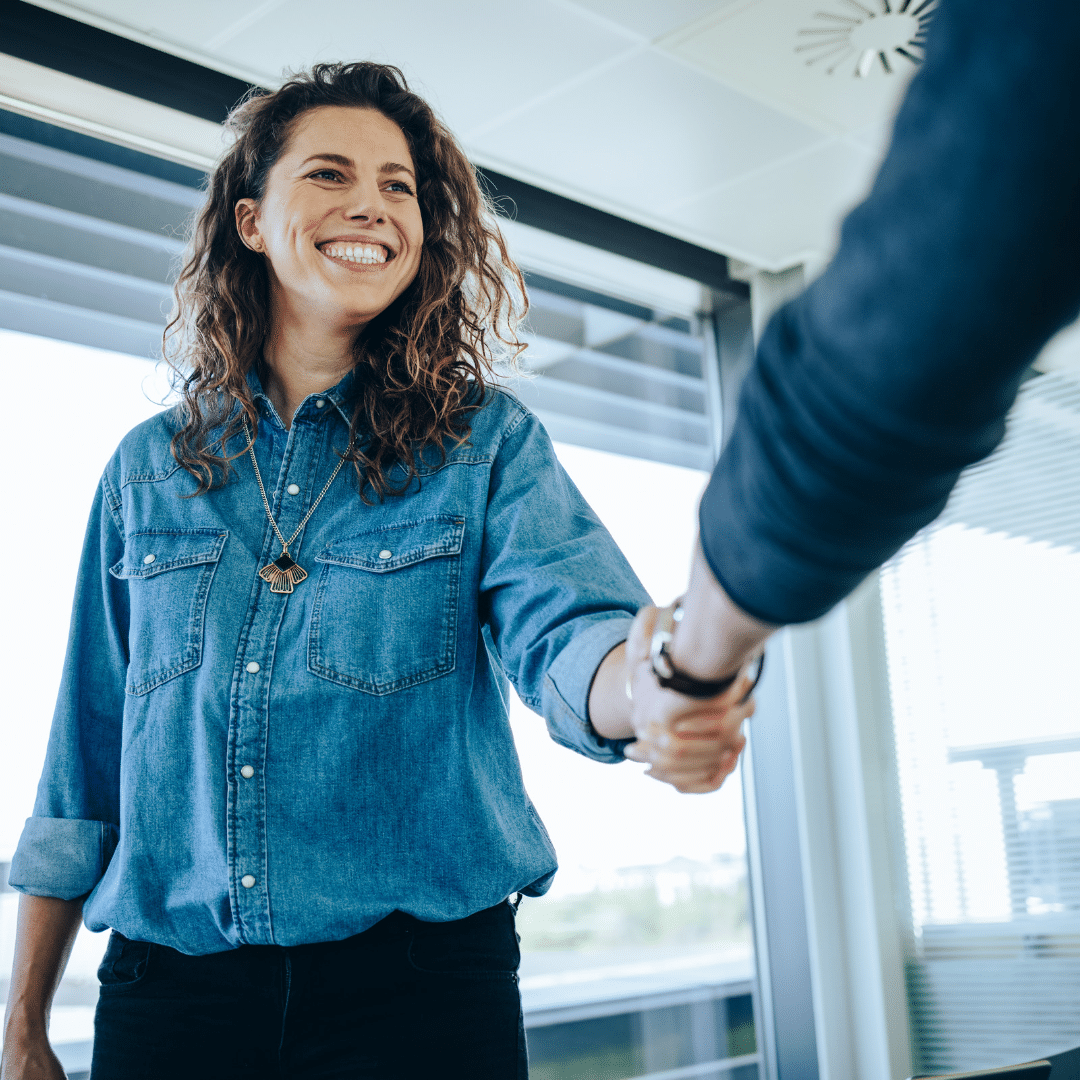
(671, 678)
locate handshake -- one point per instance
(691, 743)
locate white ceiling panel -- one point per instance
(837, 64)
(498, 56)
(645, 133)
(787, 214)
(650, 19)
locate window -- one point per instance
(981, 630)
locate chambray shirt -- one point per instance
(230, 766)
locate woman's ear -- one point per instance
(247, 224)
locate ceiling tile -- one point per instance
(643, 134)
(473, 63)
(653, 18)
(785, 214)
(802, 56)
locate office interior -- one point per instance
(890, 884)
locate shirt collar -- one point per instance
(337, 396)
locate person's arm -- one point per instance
(715, 637)
(895, 369)
(556, 594)
(46, 932)
(68, 841)
(66, 844)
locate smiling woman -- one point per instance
(281, 768)
(346, 230)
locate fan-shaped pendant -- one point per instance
(283, 573)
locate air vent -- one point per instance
(854, 38)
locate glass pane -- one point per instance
(981, 630)
(616, 376)
(607, 1048)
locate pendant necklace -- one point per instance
(285, 572)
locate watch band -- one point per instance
(671, 678)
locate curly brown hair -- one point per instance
(421, 366)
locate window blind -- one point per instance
(617, 376)
(983, 634)
(86, 246)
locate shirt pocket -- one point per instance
(385, 610)
(168, 576)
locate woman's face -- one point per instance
(339, 222)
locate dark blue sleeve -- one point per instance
(896, 368)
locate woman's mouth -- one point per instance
(357, 254)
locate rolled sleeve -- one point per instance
(61, 857)
(565, 693)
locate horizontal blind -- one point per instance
(87, 248)
(982, 618)
(617, 376)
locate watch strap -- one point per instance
(671, 678)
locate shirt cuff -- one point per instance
(62, 857)
(565, 693)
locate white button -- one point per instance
(247, 772)
(293, 489)
(253, 666)
(320, 403)
(148, 559)
(384, 554)
(247, 881)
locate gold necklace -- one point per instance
(284, 572)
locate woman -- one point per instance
(280, 767)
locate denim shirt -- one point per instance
(229, 765)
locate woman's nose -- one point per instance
(366, 205)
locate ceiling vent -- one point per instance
(853, 38)
(782, 52)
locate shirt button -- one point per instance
(247, 881)
(293, 489)
(252, 667)
(384, 554)
(148, 559)
(319, 403)
(247, 772)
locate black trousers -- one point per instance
(403, 1000)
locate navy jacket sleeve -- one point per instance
(896, 368)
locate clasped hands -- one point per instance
(692, 744)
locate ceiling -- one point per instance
(746, 126)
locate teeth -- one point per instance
(366, 254)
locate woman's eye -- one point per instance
(330, 174)
(400, 185)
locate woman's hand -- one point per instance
(27, 1053)
(691, 744)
